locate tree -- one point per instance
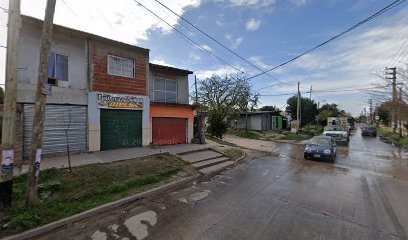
(330, 110)
(224, 98)
(270, 108)
(308, 109)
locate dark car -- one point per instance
(369, 131)
(321, 147)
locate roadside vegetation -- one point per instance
(244, 133)
(293, 136)
(64, 194)
(394, 136)
(233, 153)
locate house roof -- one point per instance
(161, 68)
(56, 28)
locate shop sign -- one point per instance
(114, 101)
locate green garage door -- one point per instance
(120, 129)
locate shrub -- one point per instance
(217, 125)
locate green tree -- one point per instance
(224, 98)
(308, 109)
(270, 108)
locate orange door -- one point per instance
(167, 131)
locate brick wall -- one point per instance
(103, 82)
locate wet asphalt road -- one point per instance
(364, 195)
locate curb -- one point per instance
(108, 206)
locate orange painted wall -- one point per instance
(172, 111)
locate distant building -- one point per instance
(261, 121)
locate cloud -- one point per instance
(222, 71)
(161, 61)
(194, 57)
(206, 47)
(253, 25)
(252, 3)
(299, 3)
(234, 42)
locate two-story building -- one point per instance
(105, 94)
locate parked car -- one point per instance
(321, 147)
(369, 131)
(338, 133)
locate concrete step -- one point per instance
(210, 162)
(200, 156)
(215, 169)
(194, 151)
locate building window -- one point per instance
(58, 67)
(165, 90)
(119, 66)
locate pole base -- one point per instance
(6, 191)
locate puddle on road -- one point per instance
(199, 196)
(136, 225)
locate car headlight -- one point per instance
(327, 151)
(344, 134)
(308, 150)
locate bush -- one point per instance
(217, 125)
(244, 133)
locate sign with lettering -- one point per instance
(113, 101)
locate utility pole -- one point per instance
(298, 112)
(40, 102)
(9, 111)
(196, 93)
(310, 93)
(393, 74)
(370, 101)
(400, 111)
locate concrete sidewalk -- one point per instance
(78, 159)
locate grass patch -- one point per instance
(394, 136)
(292, 136)
(244, 133)
(312, 131)
(86, 187)
(233, 153)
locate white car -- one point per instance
(338, 133)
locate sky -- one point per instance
(264, 32)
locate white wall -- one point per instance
(63, 43)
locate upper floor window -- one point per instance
(119, 66)
(165, 90)
(58, 67)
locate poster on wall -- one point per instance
(112, 101)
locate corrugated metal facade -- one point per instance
(57, 120)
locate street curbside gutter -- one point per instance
(105, 207)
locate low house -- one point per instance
(105, 94)
(260, 121)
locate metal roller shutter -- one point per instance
(57, 118)
(167, 131)
(120, 129)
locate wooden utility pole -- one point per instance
(400, 102)
(298, 112)
(196, 93)
(40, 101)
(393, 77)
(10, 97)
(310, 93)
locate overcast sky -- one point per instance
(265, 32)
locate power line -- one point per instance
(382, 11)
(218, 42)
(191, 40)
